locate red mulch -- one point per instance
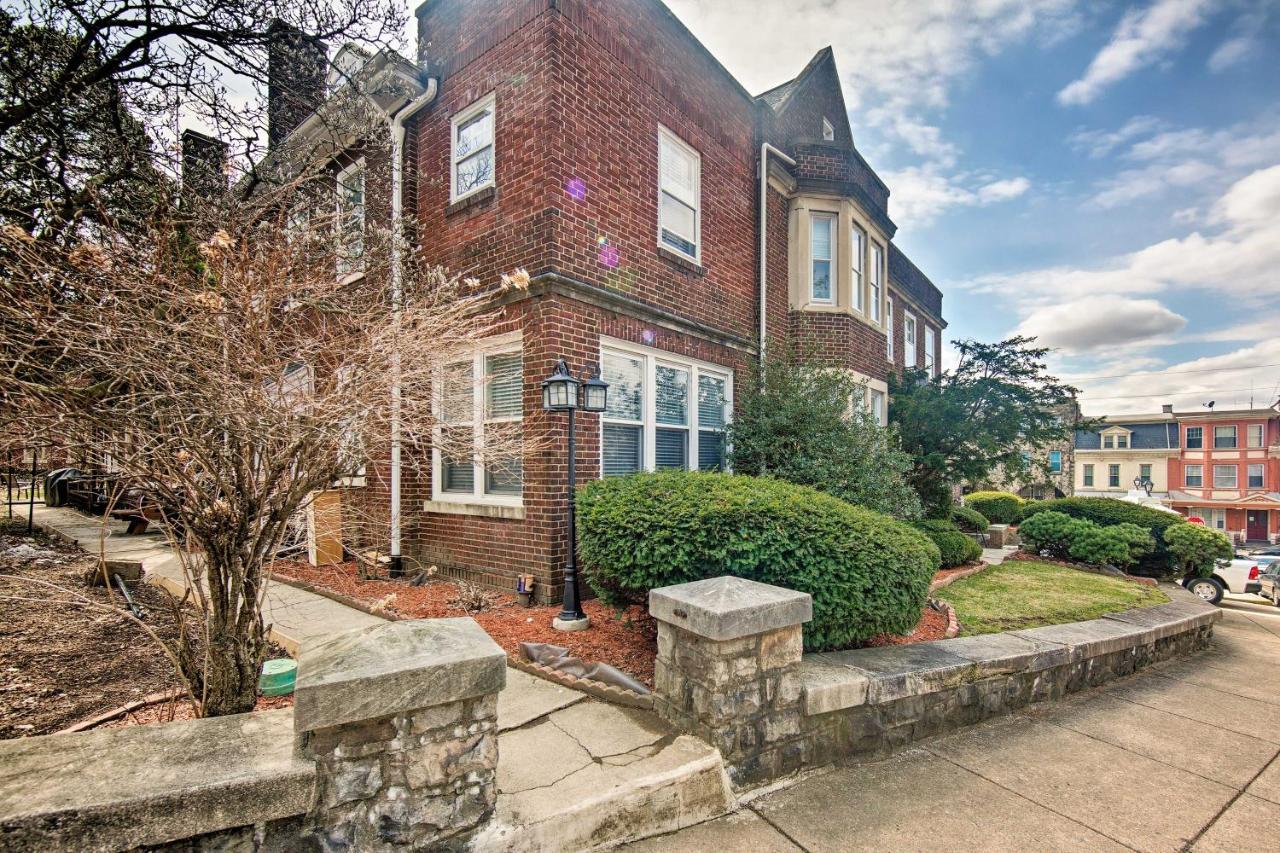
(626, 639)
(168, 712)
(932, 626)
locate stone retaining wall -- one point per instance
(870, 702)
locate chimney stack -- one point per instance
(297, 66)
(204, 166)
(1167, 408)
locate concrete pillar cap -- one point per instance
(726, 608)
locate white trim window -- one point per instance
(888, 325)
(349, 216)
(472, 149)
(858, 249)
(930, 350)
(877, 399)
(909, 339)
(479, 396)
(664, 411)
(1195, 438)
(679, 196)
(1193, 476)
(1255, 435)
(1257, 476)
(1224, 437)
(875, 280)
(1113, 476)
(1087, 474)
(828, 130)
(822, 255)
(1226, 476)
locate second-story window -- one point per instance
(1224, 437)
(1195, 438)
(822, 250)
(1055, 461)
(1255, 434)
(679, 196)
(349, 219)
(1257, 475)
(909, 338)
(472, 149)
(874, 279)
(858, 251)
(1194, 476)
(930, 346)
(1225, 476)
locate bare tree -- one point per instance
(231, 377)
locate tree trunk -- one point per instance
(231, 682)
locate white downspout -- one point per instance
(397, 287)
(765, 150)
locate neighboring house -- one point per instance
(602, 148)
(1112, 458)
(1229, 472)
(1051, 467)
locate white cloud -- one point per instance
(920, 194)
(1100, 322)
(1252, 201)
(1230, 52)
(1134, 184)
(1141, 38)
(1002, 190)
(1100, 143)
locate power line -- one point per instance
(1170, 372)
(1219, 392)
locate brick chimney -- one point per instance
(204, 166)
(297, 65)
(1167, 408)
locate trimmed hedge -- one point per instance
(1195, 549)
(1110, 511)
(956, 548)
(1059, 535)
(969, 519)
(997, 507)
(868, 574)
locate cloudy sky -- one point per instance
(1103, 175)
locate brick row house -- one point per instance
(600, 147)
(1219, 466)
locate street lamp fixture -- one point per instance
(561, 392)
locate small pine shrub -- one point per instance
(1052, 532)
(997, 507)
(1101, 546)
(1196, 549)
(955, 547)
(969, 519)
(1110, 511)
(868, 574)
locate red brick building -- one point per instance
(599, 146)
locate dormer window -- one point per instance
(828, 130)
(1117, 439)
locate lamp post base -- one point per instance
(571, 624)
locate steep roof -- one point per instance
(780, 96)
(1142, 436)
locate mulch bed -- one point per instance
(168, 712)
(932, 626)
(625, 639)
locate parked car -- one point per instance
(1269, 583)
(1238, 576)
(1265, 557)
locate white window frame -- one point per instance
(666, 135)
(1235, 437)
(909, 330)
(877, 402)
(888, 325)
(650, 358)
(350, 268)
(507, 344)
(1086, 475)
(832, 220)
(488, 102)
(1187, 438)
(1260, 430)
(930, 347)
(1262, 475)
(828, 130)
(875, 281)
(1114, 473)
(1235, 476)
(1186, 476)
(858, 267)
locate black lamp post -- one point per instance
(561, 392)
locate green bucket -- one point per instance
(278, 676)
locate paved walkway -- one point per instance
(1180, 757)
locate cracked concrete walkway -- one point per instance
(1180, 757)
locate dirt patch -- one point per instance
(626, 639)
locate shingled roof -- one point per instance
(908, 278)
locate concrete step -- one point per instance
(592, 775)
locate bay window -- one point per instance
(653, 420)
(875, 281)
(857, 251)
(472, 149)
(679, 196)
(822, 228)
(479, 400)
(909, 338)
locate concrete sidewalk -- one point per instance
(1180, 757)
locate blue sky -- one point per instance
(1103, 175)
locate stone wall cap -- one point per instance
(393, 668)
(726, 608)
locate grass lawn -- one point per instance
(1024, 595)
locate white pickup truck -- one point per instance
(1237, 576)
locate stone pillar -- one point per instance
(401, 720)
(728, 654)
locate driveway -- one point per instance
(1180, 757)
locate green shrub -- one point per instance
(1139, 539)
(955, 547)
(969, 519)
(1110, 511)
(1052, 532)
(997, 507)
(867, 573)
(1103, 546)
(1195, 549)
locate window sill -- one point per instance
(486, 510)
(681, 261)
(476, 199)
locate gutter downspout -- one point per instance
(396, 569)
(765, 150)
